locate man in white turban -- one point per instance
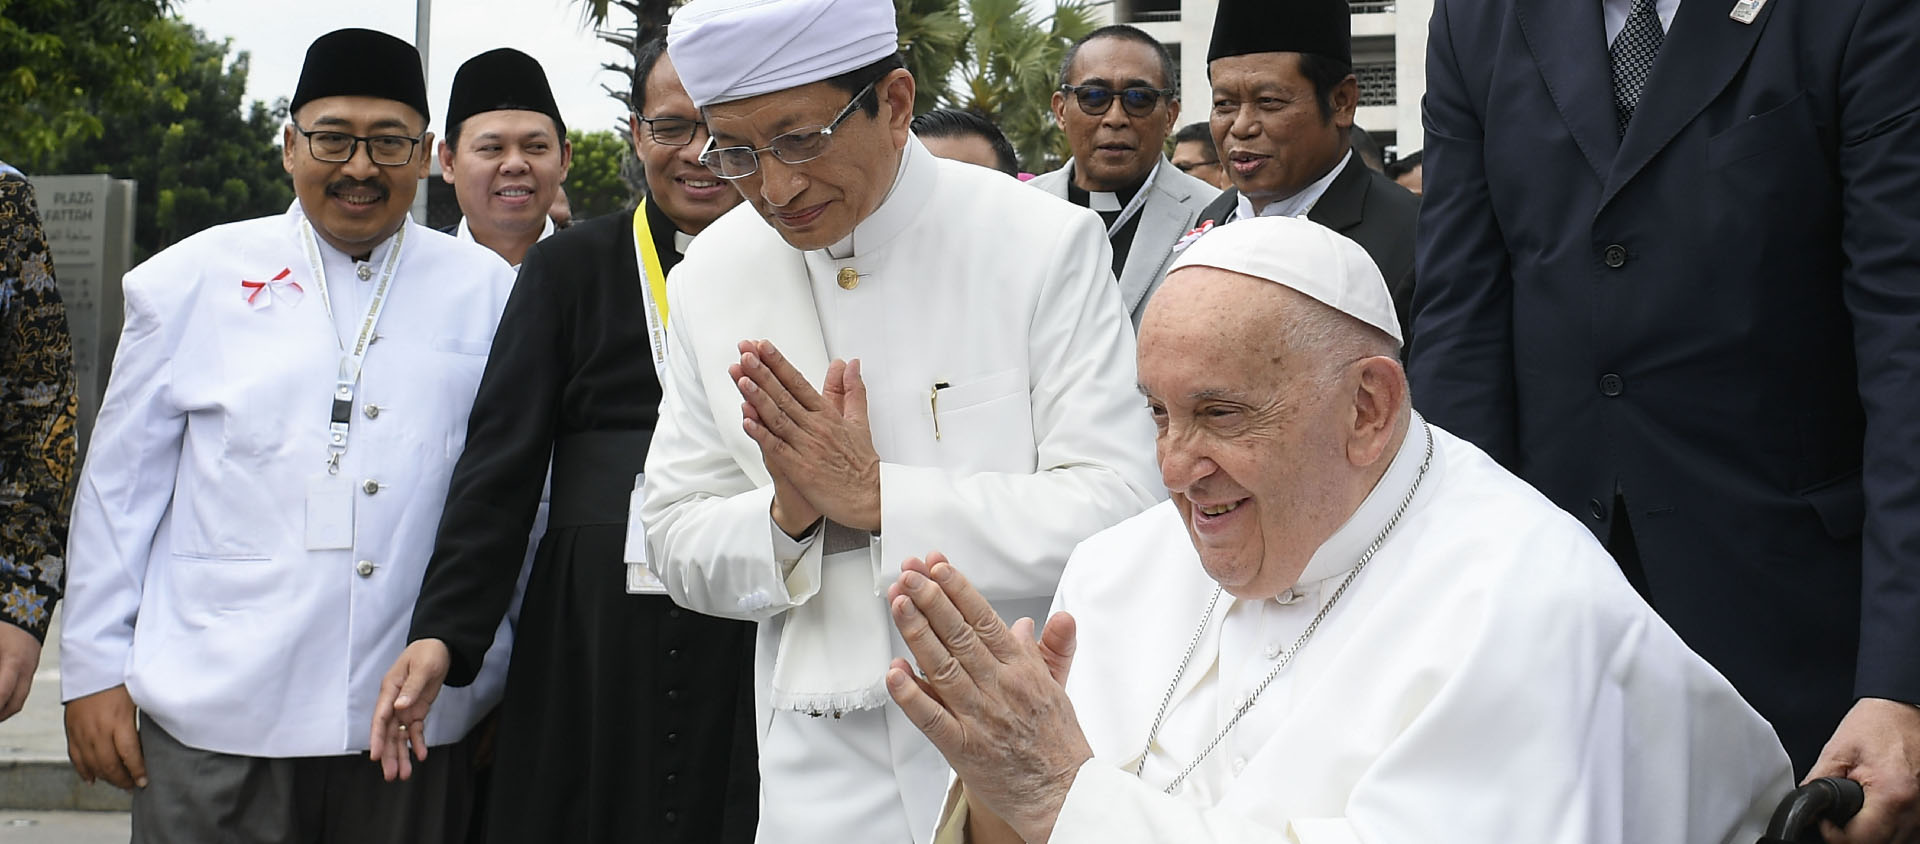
(879, 352)
(1348, 625)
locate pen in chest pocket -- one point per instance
(933, 405)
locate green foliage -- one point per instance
(1003, 63)
(199, 159)
(594, 183)
(65, 65)
(932, 37)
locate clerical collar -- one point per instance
(681, 240)
(1344, 548)
(912, 187)
(1104, 202)
(1298, 204)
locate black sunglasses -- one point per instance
(1137, 102)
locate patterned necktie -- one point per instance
(1633, 53)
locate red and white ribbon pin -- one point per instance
(260, 293)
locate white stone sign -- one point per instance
(89, 225)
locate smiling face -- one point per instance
(817, 203)
(1272, 135)
(1253, 437)
(506, 172)
(690, 195)
(1114, 150)
(356, 204)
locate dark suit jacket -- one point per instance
(1372, 210)
(1716, 317)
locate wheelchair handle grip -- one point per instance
(1836, 799)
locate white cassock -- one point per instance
(1488, 676)
(1001, 296)
(190, 578)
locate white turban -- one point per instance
(1304, 255)
(728, 50)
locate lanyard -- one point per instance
(355, 357)
(648, 256)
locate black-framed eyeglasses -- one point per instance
(338, 147)
(1096, 99)
(1190, 166)
(796, 147)
(671, 131)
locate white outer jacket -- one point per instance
(190, 581)
(967, 278)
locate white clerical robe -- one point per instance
(189, 576)
(1488, 676)
(1001, 390)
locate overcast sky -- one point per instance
(277, 33)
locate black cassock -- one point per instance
(625, 717)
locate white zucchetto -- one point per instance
(727, 50)
(1304, 255)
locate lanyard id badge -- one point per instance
(654, 279)
(640, 577)
(329, 509)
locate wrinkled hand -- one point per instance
(400, 717)
(991, 700)
(816, 444)
(1878, 744)
(103, 742)
(19, 658)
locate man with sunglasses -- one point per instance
(288, 400)
(506, 152)
(1118, 101)
(882, 354)
(574, 382)
(1284, 96)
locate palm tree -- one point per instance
(649, 19)
(1009, 68)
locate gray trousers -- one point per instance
(201, 797)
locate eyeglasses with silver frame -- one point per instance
(1095, 100)
(338, 147)
(671, 131)
(796, 147)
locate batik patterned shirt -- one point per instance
(39, 409)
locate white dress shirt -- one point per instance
(546, 231)
(1616, 12)
(1298, 204)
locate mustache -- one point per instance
(346, 184)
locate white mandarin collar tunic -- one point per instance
(190, 580)
(966, 279)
